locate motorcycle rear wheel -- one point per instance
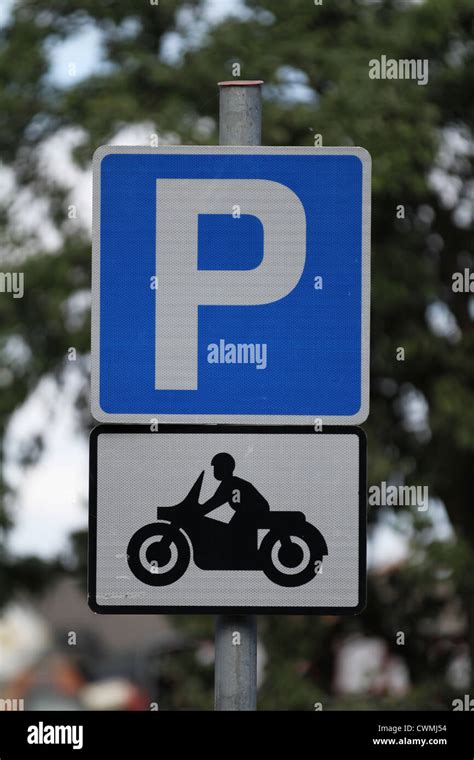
(273, 552)
(147, 563)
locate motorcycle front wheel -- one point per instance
(158, 554)
(292, 560)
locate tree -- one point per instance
(315, 62)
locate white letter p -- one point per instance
(182, 287)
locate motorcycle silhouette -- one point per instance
(290, 553)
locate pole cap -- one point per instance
(241, 83)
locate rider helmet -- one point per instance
(224, 462)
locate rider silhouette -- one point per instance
(247, 503)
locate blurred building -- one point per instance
(57, 654)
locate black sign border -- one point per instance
(225, 428)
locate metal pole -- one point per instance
(236, 662)
(240, 123)
(240, 112)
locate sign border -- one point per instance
(254, 419)
(205, 430)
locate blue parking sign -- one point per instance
(231, 284)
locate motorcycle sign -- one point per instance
(256, 521)
(299, 546)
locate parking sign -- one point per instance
(231, 284)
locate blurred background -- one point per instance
(78, 74)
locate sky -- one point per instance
(5, 9)
(83, 49)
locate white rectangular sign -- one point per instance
(218, 519)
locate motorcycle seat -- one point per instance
(281, 518)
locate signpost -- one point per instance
(230, 285)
